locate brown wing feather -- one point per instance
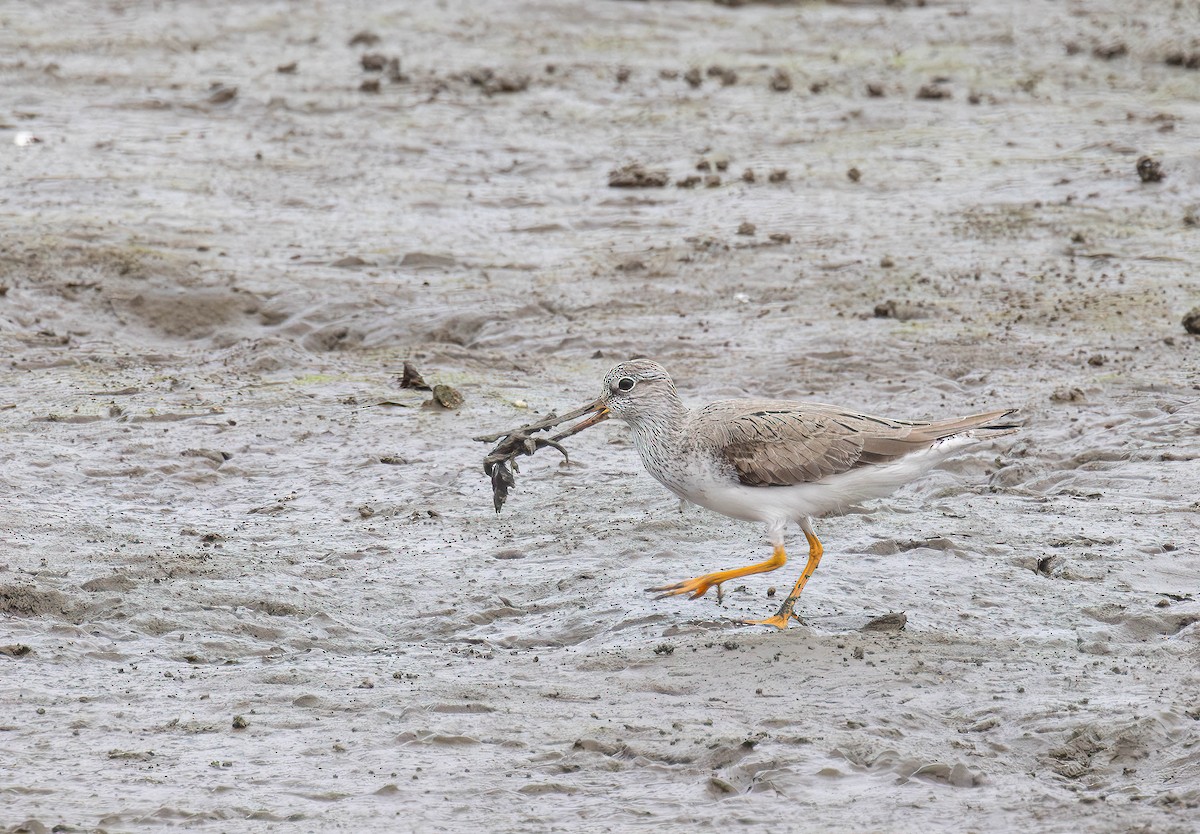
(780, 443)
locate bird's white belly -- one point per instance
(709, 485)
(769, 504)
(716, 488)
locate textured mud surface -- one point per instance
(248, 582)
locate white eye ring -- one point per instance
(626, 383)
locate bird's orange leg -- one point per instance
(780, 620)
(698, 586)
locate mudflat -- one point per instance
(249, 582)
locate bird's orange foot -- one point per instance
(779, 621)
(696, 587)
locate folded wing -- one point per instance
(781, 443)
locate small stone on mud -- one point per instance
(747, 229)
(1067, 395)
(779, 237)
(371, 85)
(1191, 322)
(693, 77)
(781, 82)
(712, 181)
(287, 69)
(1110, 51)
(875, 90)
(1097, 359)
(1150, 169)
(364, 38)
(854, 174)
(727, 76)
(778, 175)
(491, 83)
(623, 74)
(373, 62)
(1183, 59)
(447, 396)
(221, 94)
(636, 175)
(886, 262)
(771, 592)
(748, 175)
(688, 182)
(933, 92)
(240, 722)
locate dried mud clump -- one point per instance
(23, 601)
(901, 310)
(1191, 322)
(492, 82)
(933, 92)
(1183, 59)
(373, 62)
(636, 175)
(727, 76)
(1110, 51)
(893, 622)
(1150, 169)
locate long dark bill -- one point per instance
(597, 406)
(601, 413)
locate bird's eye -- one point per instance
(625, 383)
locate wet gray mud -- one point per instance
(248, 582)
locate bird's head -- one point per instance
(638, 388)
(638, 391)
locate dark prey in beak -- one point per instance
(521, 441)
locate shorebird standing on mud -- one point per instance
(774, 461)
